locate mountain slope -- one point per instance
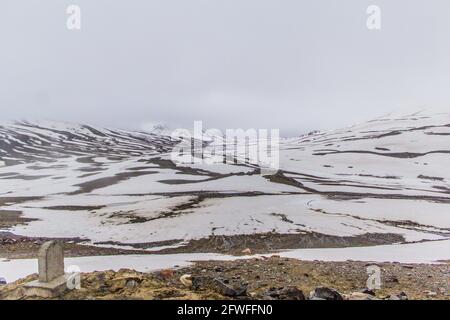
(381, 182)
(45, 141)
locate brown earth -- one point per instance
(19, 247)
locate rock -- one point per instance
(325, 293)
(218, 269)
(360, 296)
(372, 264)
(407, 266)
(221, 287)
(368, 291)
(285, 293)
(430, 293)
(199, 282)
(391, 279)
(166, 274)
(122, 280)
(186, 280)
(2, 281)
(403, 296)
(247, 251)
(400, 296)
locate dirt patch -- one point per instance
(90, 186)
(6, 201)
(272, 242)
(400, 155)
(74, 208)
(11, 218)
(19, 247)
(430, 178)
(265, 243)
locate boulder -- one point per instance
(224, 289)
(325, 294)
(368, 291)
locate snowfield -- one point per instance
(386, 176)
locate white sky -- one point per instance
(289, 64)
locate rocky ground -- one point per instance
(14, 246)
(262, 278)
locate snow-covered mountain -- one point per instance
(384, 181)
(45, 141)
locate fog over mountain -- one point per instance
(287, 64)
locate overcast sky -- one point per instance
(290, 64)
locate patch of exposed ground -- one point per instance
(15, 246)
(6, 201)
(11, 218)
(272, 242)
(280, 177)
(264, 243)
(400, 155)
(74, 208)
(87, 187)
(20, 247)
(404, 224)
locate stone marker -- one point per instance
(50, 261)
(52, 280)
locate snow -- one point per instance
(349, 184)
(13, 270)
(424, 252)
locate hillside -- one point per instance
(383, 182)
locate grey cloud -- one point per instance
(289, 64)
